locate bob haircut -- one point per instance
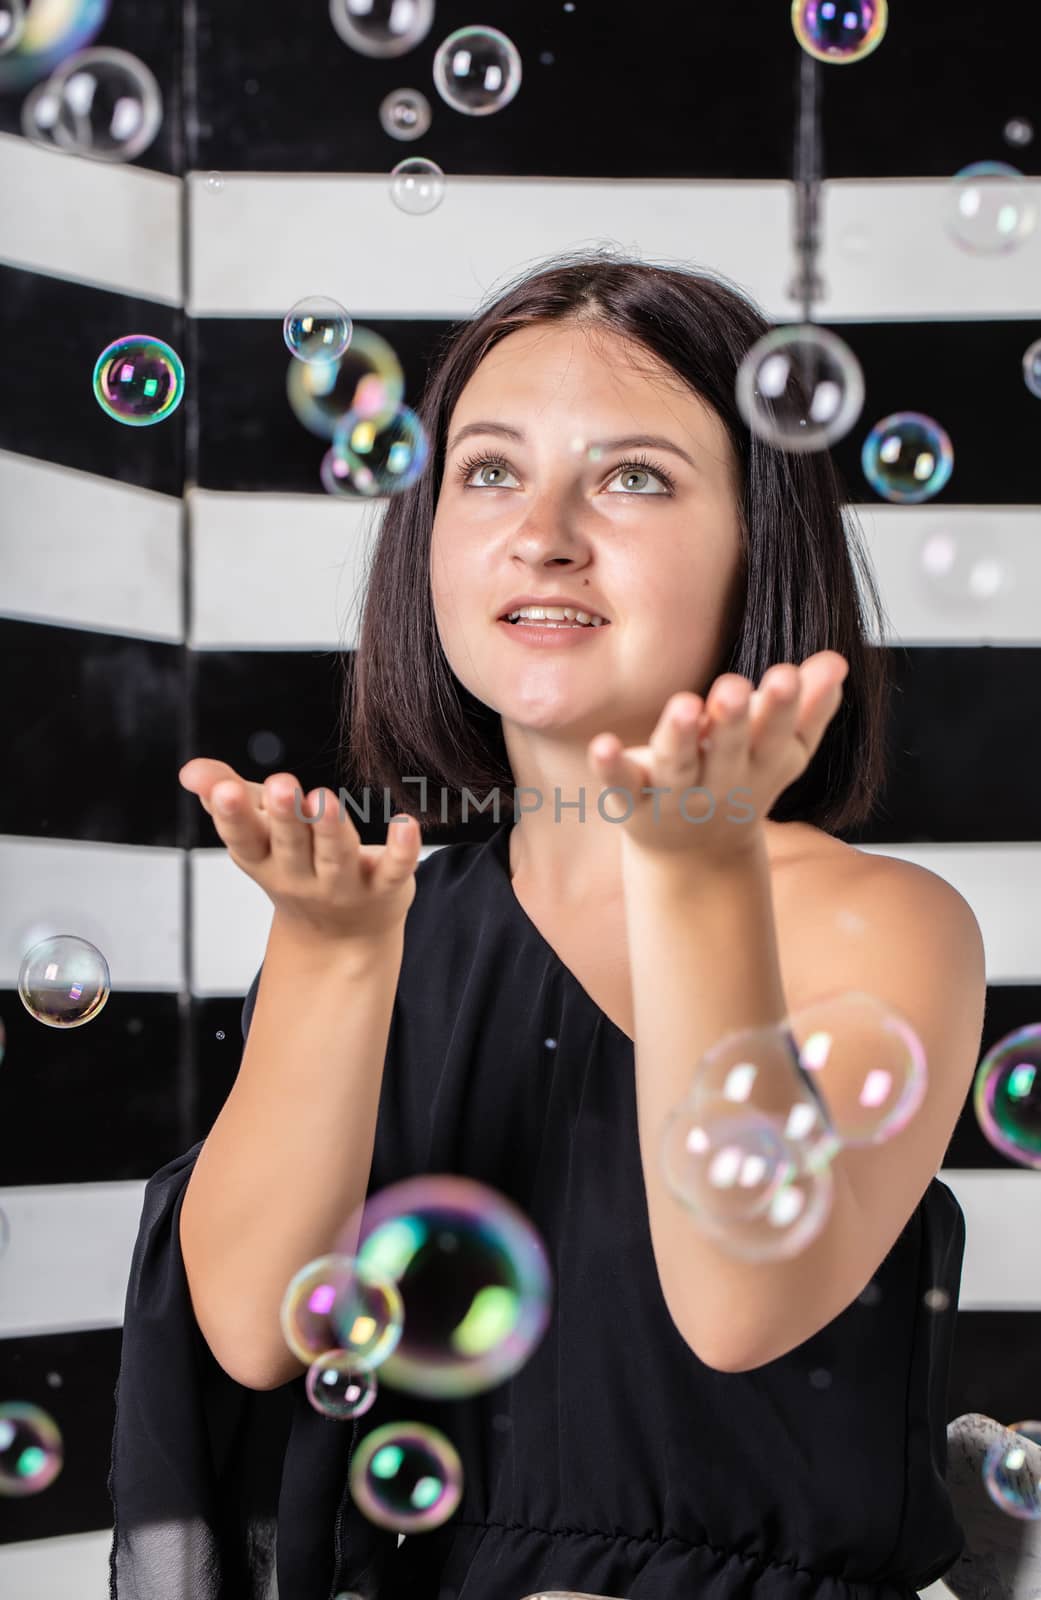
(404, 712)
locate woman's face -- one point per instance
(543, 515)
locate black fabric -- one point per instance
(614, 1462)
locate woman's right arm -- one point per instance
(286, 1164)
(287, 1161)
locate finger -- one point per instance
(724, 728)
(674, 742)
(243, 829)
(291, 847)
(201, 775)
(615, 768)
(774, 710)
(398, 861)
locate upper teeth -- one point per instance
(557, 614)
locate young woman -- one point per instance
(526, 1011)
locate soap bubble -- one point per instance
(840, 31)
(1032, 368)
(385, 453)
(405, 114)
(1006, 1096)
(39, 114)
(477, 70)
(474, 1279)
(337, 478)
(138, 380)
(964, 565)
(214, 182)
(406, 1476)
(31, 1450)
(366, 379)
(12, 24)
(864, 1105)
(990, 208)
(724, 1164)
(907, 457)
(64, 981)
(418, 186)
(52, 30)
(800, 388)
(317, 329)
(382, 27)
(1011, 1475)
(338, 1388)
(110, 105)
(1019, 131)
(338, 1303)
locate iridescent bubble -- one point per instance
(317, 329)
(406, 1476)
(31, 1450)
(840, 31)
(723, 1164)
(1012, 1472)
(338, 1388)
(473, 1276)
(382, 27)
(757, 1070)
(965, 565)
(477, 70)
(12, 24)
(385, 453)
(139, 380)
(417, 186)
(870, 1104)
(336, 1303)
(64, 981)
(111, 107)
(990, 208)
(53, 29)
(1006, 1095)
(800, 387)
(367, 379)
(405, 114)
(1019, 131)
(337, 478)
(1032, 368)
(214, 182)
(907, 457)
(792, 1219)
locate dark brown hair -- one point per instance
(405, 713)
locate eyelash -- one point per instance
(638, 463)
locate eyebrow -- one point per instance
(635, 441)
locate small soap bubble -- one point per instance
(338, 1388)
(936, 1299)
(317, 329)
(39, 114)
(989, 208)
(405, 114)
(31, 1449)
(337, 478)
(870, 1104)
(1032, 368)
(477, 70)
(1012, 1474)
(12, 24)
(417, 186)
(138, 380)
(800, 388)
(907, 457)
(1006, 1096)
(406, 1476)
(840, 31)
(724, 1164)
(214, 182)
(382, 27)
(64, 981)
(367, 379)
(1019, 131)
(111, 107)
(384, 453)
(963, 566)
(338, 1303)
(474, 1280)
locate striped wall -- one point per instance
(188, 589)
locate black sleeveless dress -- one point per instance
(614, 1462)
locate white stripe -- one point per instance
(71, 1247)
(51, 515)
(341, 234)
(105, 224)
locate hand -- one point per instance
(321, 879)
(743, 746)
